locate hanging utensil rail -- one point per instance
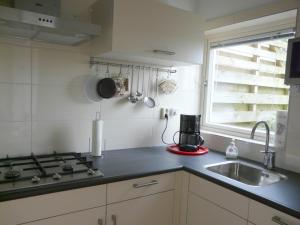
(97, 61)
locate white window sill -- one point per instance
(248, 140)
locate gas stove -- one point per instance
(38, 170)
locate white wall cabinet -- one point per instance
(203, 212)
(154, 209)
(134, 29)
(94, 216)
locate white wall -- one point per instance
(43, 107)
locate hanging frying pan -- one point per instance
(107, 88)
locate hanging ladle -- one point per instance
(131, 97)
(138, 93)
(147, 100)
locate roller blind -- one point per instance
(255, 38)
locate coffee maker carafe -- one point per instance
(189, 133)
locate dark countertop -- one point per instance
(127, 164)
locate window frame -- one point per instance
(231, 32)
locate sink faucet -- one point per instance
(269, 155)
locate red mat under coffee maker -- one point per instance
(190, 140)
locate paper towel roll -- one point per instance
(97, 134)
(281, 129)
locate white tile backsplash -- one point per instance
(120, 108)
(43, 106)
(61, 103)
(61, 136)
(15, 102)
(14, 138)
(56, 67)
(127, 133)
(15, 64)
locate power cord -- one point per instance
(163, 133)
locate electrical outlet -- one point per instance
(168, 111)
(173, 112)
(162, 113)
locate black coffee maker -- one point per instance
(189, 133)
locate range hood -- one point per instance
(46, 28)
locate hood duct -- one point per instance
(46, 28)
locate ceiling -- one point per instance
(210, 9)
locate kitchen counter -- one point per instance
(126, 164)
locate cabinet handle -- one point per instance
(114, 219)
(164, 52)
(153, 182)
(278, 220)
(100, 222)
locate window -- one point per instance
(246, 81)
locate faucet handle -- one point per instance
(269, 159)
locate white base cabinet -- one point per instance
(40, 207)
(166, 199)
(203, 212)
(260, 214)
(154, 209)
(87, 217)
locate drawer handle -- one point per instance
(114, 219)
(278, 220)
(153, 182)
(164, 52)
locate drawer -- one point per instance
(223, 197)
(261, 214)
(48, 205)
(87, 217)
(204, 212)
(134, 188)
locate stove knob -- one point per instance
(91, 172)
(35, 179)
(56, 176)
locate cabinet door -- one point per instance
(154, 209)
(146, 25)
(220, 196)
(94, 216)
(203, 212)
(49, 205)
(130, 189)
(261, 214)
(147, 31)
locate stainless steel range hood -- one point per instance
(41, 27)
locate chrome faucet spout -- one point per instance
(267, 133)
(269, 156)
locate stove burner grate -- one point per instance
(41, 166)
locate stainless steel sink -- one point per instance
(246, 173)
